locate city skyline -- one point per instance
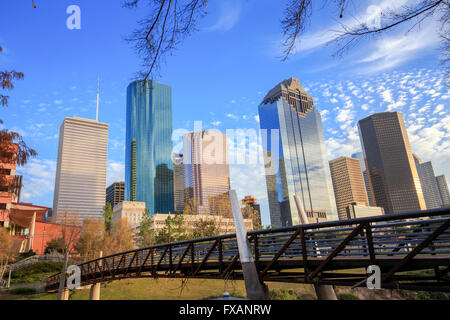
(343, 90)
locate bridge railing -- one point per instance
(402, 236)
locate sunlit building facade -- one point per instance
(206, 168)
(428, 182)
(392, 173)
(80, 180)
(295, 154)
(348, 184)
(443, 190)
(148, 150)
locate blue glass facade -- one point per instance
(299, 164)
(148, 150)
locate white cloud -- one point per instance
(38, 180)
(229, 13)
(115, 172)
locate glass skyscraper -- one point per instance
(392, 173)
(148, 150)
(295, 155)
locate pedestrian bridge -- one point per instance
(411, 249)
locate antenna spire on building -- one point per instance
(98, 95)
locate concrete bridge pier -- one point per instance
(325, 292)
(65, 294)
(95, 292)
(256, 290)
(95, 288)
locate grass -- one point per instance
(36, 272)
(170, 289)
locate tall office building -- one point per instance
(295, 154)
(206, 168)
(115, 193)
(362, 161)
(428, 182)
(80, 179)
(392, 173)
(443, 190)
(348, 184)
(148, 157)
(178, 181)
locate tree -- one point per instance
(146, 235)
(169, 22)
(92, 239)
(107, 215)
(70, 229)
(204, 228)
(174, 230)
(13, 148)
(6, 250)
(120, 239)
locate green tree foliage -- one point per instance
(146, 235)
(204, 228)
(174, 230)
(107, 215)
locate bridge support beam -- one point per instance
(325, 292)
(95, 288)
(95, 292)
(256, 290)
(65, 294)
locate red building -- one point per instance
(26, 224)
(7, 178)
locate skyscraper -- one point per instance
(443, 190)
(348, 184)
(206, 168)
(115, 193)
(362, 161)
(392, 173)
(295, 154)
(148, 149)
(178, 182)
(80, 179)
(428, 182)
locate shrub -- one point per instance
(282, 294)
(35, 272)
(24, 291)
(347, 296)
(431, 295)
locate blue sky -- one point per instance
(218, 76)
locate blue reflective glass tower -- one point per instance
(296, 161)
(148, 150)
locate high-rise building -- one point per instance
(392, 173)
(251, 201)
(206, 168)
(80, 179)
(115, 193)
(178, 181)
(362, 161)
(148, 157)
(348, 184)
(428, 182)
(443, 190)
(295, 154)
